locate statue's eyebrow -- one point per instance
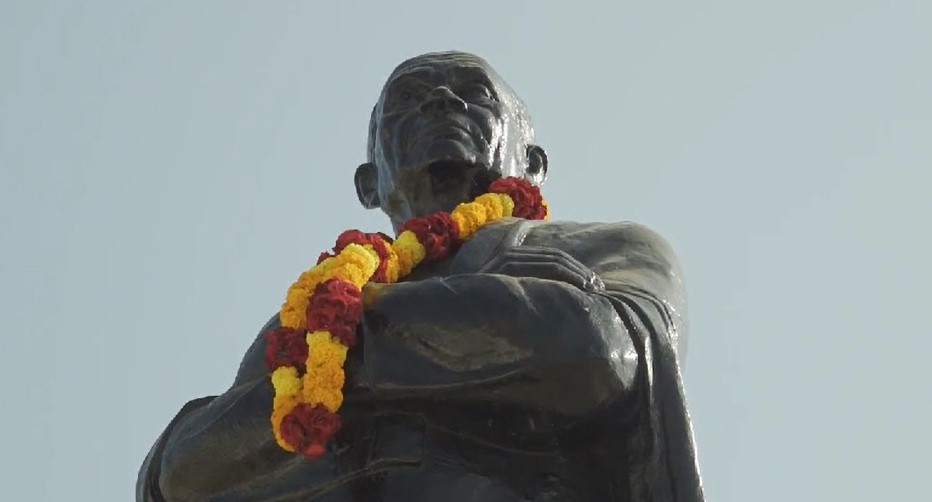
(470, 75)
(414, 75)
(473, 75)
(408, 81)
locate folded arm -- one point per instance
(491, 338)
(222, 448)
(534, 339)
(540, 325)
(477, 338)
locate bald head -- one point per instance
(454, 64)
(445, 125)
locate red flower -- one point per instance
(285, 347)
(323, 256)
(379, 241)
(315, 451)
(350, 237)
(382, 245)
(309, 428)
(529, 203)
(335, 306)
(437, 233)
(345, 239)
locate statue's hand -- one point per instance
(544, 263)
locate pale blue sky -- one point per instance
(168, 168)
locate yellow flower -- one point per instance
(283, 405)
(391, 266)
(371, 250)
(324, 349)
(323, 383)
(332, 399)
(469, 217)
(286, 382)
(311, 278)
(393, 269)
(327, 376)
(508, 205)
(410, 252)
(494, 206)
(298, 293)
(546, 208)
(354, 264)
(497, 205)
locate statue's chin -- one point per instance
(447, 172)
(454, 181)
(442, 184)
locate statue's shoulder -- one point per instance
(628, 256)
(252, 367)
(606, 240)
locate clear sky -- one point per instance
(168, 168)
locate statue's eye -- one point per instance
(404, 98)
(475, 91)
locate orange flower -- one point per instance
(325, 376)
(324, 349)
(294, 311)
(410, 252)
(469, 218)
(281, 407)
(331, 399)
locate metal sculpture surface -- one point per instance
(541, 362)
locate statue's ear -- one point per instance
(367, 185)
(536, 164)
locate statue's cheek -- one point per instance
(491, 123)
(391, 132)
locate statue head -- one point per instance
(445, 126)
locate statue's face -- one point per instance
(445, 127)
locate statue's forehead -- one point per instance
(443, 66)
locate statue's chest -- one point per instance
(478, 250)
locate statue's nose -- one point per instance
(442, 99)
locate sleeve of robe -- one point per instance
(637, 328)
(644, 282)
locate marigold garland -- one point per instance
(323, 308)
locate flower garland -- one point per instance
(324, 307)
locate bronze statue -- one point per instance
(540, 363)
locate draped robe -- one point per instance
(472, 386)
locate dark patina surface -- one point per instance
(540, 363)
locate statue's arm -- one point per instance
(530, 336)
(492, 338)
(222, 448)
(487, 338)
(147, 483)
